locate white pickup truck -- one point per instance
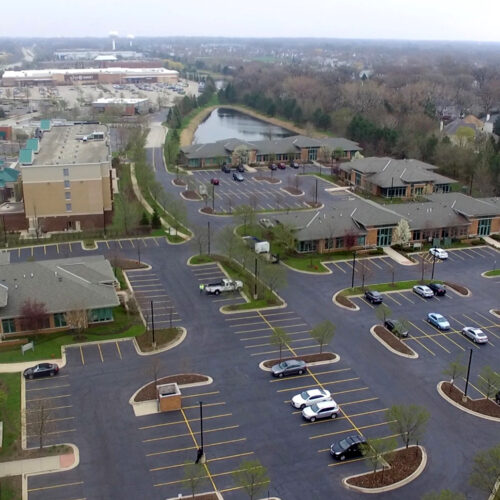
(224, 285)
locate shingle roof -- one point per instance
(429, 215)
(470, 207)
(388, 172)
(74, 283)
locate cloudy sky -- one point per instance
(392, 19)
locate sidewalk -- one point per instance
(492, 242)
(55, 463)
(396, 256)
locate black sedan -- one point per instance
(396, 327)
(41, 370)
(350, 447)
(373, 296)
(289, 367)
(437, 288)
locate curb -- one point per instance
(388, 347)
(216, 493)
(492, 311)
(313, 363)
(290, 194)
(151, 407)
(483, 275)
(189, 199)
(338, 304)
(460, 407)
(395, 486)
(311, 273)
(175, 343)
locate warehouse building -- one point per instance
(88, 76)
(122, 106)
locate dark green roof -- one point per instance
(33, 144)
(45, 125)
(26, 156)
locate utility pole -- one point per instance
(139, 252)
(316, 193)
(353, 267)
(153, 324)
(255, 274)
(208, 225)
(433, 264)
(200, 454)
(213, 197)
(468, 373)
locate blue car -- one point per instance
(439, 321)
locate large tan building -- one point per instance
(69, 183)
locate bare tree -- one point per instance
(252, 477)
(454, 370)
(323, 333)
(200, 239)
(274, 276)
(375, 449)
(489, 381)
(408, 421)
(193, 476)
(38, 420)
(280, 338)
(34, 315)
(77, 320)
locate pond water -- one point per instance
(224, 123)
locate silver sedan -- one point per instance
(475, 334)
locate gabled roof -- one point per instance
(429, 215)
(61, 284)
(466, 205)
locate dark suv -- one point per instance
(396, 327)
(226, 169)
(350, 447)
(373, 296)
(437, 288)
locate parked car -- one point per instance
(240, 168)
(238, 177)
(281, 166)
(214, 181)
(423, 291)
(497, 398)
(226, 169)
(224, 285)
(373, 296)
(439, 321)
(41, 370)
(396, 327)
(350, 447)
(273, 166)
(310, 397)
(475, 334)
(437, 288)
(439, 253)
(289, 367)
(294, 164)
(324, 409)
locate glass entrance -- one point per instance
(484, 227)
(384, 236)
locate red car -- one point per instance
(214, 181)
(282, 166)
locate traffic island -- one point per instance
(191, 196)
(459, 289)
(213, 495)
(483, 408)
(293, 191)
(270, 180)
(341, 300)
(322, 358)
(391, 342)
(403, 466)
(164, 339)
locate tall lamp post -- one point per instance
(153, 324)
(353, 267)
(433, 265)
(213, 197)
(200, 453)
(467, 379)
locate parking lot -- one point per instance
(260, 194)
(100, 352)
(169, 441)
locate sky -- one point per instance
(475, 20)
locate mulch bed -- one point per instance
(345, 301)
(179, 182)
(293, 191)
(308, 358)
(458, 288)
(148, 392)
(207, 496)
(403, 463)
(484, 406)
(191, 195)
(163, 337)
(128, 264)
(272, 180)
(389, 338)
(312, 204)
(207, 210)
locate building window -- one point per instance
(99, 315)
(329, 244)
(313, 154)
(484, 227)
(8, 325)
(59, 320)
(384, 236)
(419, 191)
(361, 240)
(357, 179)
(416, 235)
(68, 207)
(339, 242)
(67, 195)
(195, 162)
(307, 246)
(66, 185)
(65, 172)
(394, 192)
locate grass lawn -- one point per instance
(384, 287)
(493, 272)
(175, 238)
(200, 259)
(11, 488)
(10, 383)
(49, 345)
(163, 337)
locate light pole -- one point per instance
(255, 274)
(353, 267)
(200, 454)
(208, 232)
(468, 373)
(139, 252)
(316, 193)
(213, 197)
(153, 324)
(433, 264)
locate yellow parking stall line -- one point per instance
(118, 349)
(405, 297)
(46, 388)
(475, 252)
(348, 430)
(239, 318)
(60, 419)
(457, 320)
(167, 452)
(51, 433)
(456, 254)
(359, 401)
(412, 337)
(322, 384)
(284, 313)
(344, 417)
(254, 330)
(339, 370)
(336, 464)
(429, 337)
(389, 296)
(52, 408)
(200, 394)
(81, 355)
(306, 346)
(166, 467)
(57, 247)
(343, 270)
(347, 263)
(472, 385)
(350, 390)
(172, 436)
(100, 352)
(48, 397)
(157, 244)
(288, 319)
(485, 317)
(107, 244)
(205, 405)
(166, 424)
(446, 335)
(143, 241)
(41, 488)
